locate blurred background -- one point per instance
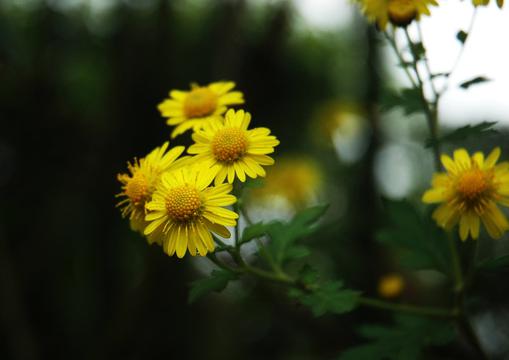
(79, 84)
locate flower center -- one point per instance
(137, 189)
(183, 203)
(201, 101)
(229, 144)
(402, 12)
(473, 183)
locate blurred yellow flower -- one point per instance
(141, 181)
(500, 3)
(344, 126)
(398, 12)
(232, 150)
(391, 285)
(469, 192)
(194, 108)
(184, 211)
(297, 179)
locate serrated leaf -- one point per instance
(419, 243)
(330, 297)
(308, 275)
(462, 36)
(408, 99)
(499, 263)
(474, 81)
(254, 231)
(216, 282)
(464, 132)
(405, 340)
(310, 215)
(284, 235)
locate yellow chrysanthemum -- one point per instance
(398, 12)
(193, 109)
(230, 149)
(500, 3)
(297, 179)
(469, 192)
(184, 211)
(139, 184)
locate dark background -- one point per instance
(78, 96)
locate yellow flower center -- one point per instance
(137, 189)
(200, 102)
(402, 12)
(473, 183)
(229, 144)
(183, 203)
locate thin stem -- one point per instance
(456, 265)
(212, 257)
(246, 215)
(462, 50)
(410, 309)
(403, 63)
(426, 65)
(430, 109)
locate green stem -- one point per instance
(456, 265)
(462, 50)
(430, 109)
(402, 62)
(409, 309)
(212, 257)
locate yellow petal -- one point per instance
(449, 165)
(492, 158)
(435, 195)
(462, 159)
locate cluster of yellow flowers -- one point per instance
(403, 12)
(179, 201)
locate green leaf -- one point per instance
(254, 231)
(308, 275)
(284, 235)
(419, 243)
(216, 282)
(405, 340)
(496, 264)
(408, 99)
(462, 36)
(330, 297)
(464, 132)
(297, 252)
(254, 183)
(419, 50)
(440, 74)
(474, 81)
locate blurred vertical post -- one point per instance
(366, 189)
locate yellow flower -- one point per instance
(193, 109)
(230, 149)
(141, 181)
(500, 3)
(469, 192)
(297, 179)
(398, 12)
(390, 285)
(184, 210)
